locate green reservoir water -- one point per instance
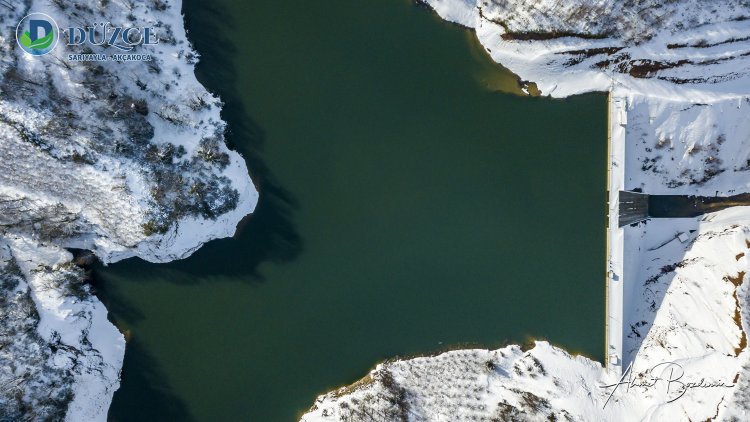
(406, 207)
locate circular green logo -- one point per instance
(37, 34)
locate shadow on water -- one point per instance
(144, 383)
(269, 234)
(113, 302)
(142, 380)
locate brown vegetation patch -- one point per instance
(364, 382)
(648, 68)
(737, 281)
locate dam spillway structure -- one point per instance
(633, 207)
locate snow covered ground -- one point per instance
(701, 47)
(125, 159)
(679, 77)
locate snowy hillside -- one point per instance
(680, 74)
(569, 47)
(121, 158)
(684, 147)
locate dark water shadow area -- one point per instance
(145, 394)
(269, 234)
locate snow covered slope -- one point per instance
(121, 158)
(569, 47)
(688, 147)
(681, 71)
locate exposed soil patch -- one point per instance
(648, 68)
(737, 281)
